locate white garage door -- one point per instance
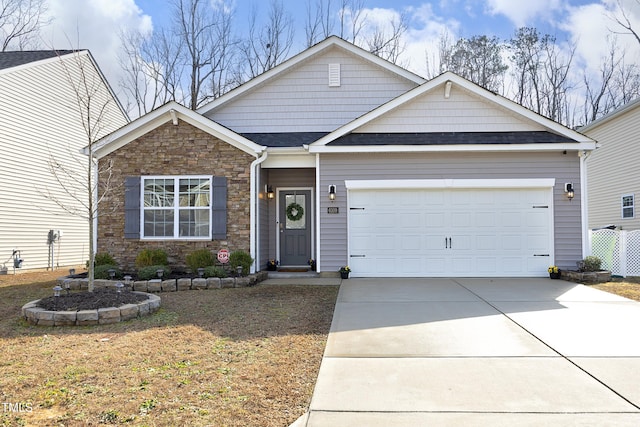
(450, 232)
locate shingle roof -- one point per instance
(15, 58)
(284, 139)
(449, 138)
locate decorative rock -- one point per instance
(143, 308)
(242, 282)
(227, 282)
(141, 286)
(128, 311)
(108, 315)
(100, 283)
(87, 317)
(169, 285)
(184, 284)
(154, 285)
(154, 303)
(213, 283)
(64, 318)
(199, 283)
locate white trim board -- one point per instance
(448, 183)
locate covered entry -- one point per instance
(458, 228)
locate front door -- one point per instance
(294, 225)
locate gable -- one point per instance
(450, 111)
(461, 111)
(302, 99)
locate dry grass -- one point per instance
(627, 289)
(230, 357)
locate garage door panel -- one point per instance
(452, 232)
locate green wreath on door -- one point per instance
(295, 212)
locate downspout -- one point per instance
(254, 212)
(586, 241)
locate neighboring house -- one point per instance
(40, 122)
(613, 181)
(340, 156)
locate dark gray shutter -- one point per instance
(219, 208)
(132, 207)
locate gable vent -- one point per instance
(334, 75)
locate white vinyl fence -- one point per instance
(619, 250)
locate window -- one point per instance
(627, 206)
(176, 207)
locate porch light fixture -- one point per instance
(568, 189)
(270, 193)
(332, 192)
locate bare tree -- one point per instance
(20, 23)
(268, 45)
(77, 177)
(621, 16)
(478, 59)
(351, 20)
(387, 42)
(205, 37)
(319, 23)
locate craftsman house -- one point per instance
(341, 157)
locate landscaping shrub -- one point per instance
(103, 258)
(592, 263)
(102, 271)
(151, 257)
(213, 271)
(151, 272)
(201, 258)
(240, 258)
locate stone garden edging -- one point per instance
(170, 285)
(39, 316)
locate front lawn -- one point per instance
(227, 357)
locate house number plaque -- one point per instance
(332, 210)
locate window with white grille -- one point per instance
(628, 210)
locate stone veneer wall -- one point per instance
(175, 150)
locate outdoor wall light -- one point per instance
(568, 189)
(270, 193)
(332, 192)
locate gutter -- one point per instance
(254, 212)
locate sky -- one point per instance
(94, 24)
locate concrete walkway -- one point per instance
(478, 352)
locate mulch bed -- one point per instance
(102, 298)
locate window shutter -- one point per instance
(132, 207)
(219, 208)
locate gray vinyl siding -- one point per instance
(336, 168)
(281, 178)
(461, 112)
(39, 121)
(612, 171)
(302, 101)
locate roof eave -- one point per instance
(571, 146)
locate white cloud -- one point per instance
(523, 13)
(590, 27)
(94, 25)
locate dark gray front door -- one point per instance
(295, 227)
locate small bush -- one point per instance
(240, 258)
(151, 272)
(103, 258)
(102, 271)
(151, 257)
(200, 259)
(592, 263)
(212, 271)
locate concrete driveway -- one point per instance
(475, 352)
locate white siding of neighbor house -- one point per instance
(39, 121)
(301, 100)
(461, 112)
(612, 170)
(336, 168)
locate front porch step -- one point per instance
(293, 275)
